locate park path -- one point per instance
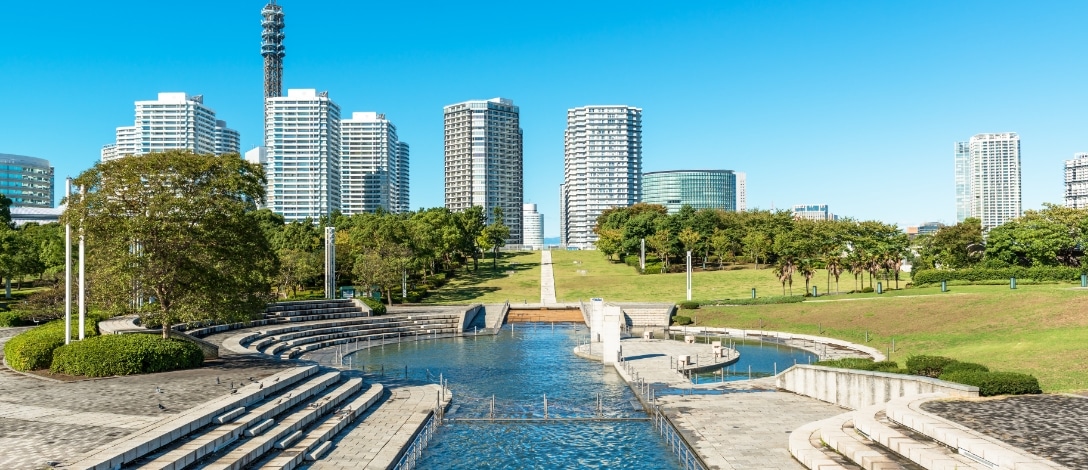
(547, 281)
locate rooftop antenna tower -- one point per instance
(272, 49)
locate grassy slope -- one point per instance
(494, 286)
(614, 281)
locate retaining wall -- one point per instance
(859, 388)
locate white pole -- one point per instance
(68, 265)
(642, 257)
(82, 277)
(330, 262)
(689, 275)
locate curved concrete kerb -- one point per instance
(825, 348)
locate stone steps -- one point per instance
(220, 436)
(286, 431)
(170, 429)
(363, 333)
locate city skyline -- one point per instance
(719, 83)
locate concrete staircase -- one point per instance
(287, 342)
(282, 420)
(291, 312)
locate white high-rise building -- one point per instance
(1076, 181)
(963, 180)
(371, 165)
(175, 121)
(742, 191)
(991, 169)
(403, 204)
(602, 167)
(302, 144)
(483, 162)
(227, 140)
(532, 227)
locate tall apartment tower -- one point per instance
(272, 49)
(484, 160)
(370, 165)
(742, 191)
(1076, 181)
(403, 204)
(302, 147)
(175, 121)
(532, 227)
(963, 180)
(991, 170)
(602, 167)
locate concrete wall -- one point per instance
(468, 315)
(856, 389)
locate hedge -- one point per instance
(681, 320)
(8, 319)
(780, 299)
(996, 383)
(688, 305)
(105, 356)
(1037, 274)
(964, 366)
(33, 349)
(376, 307)
(858, 363)
(928, 366)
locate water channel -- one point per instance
(506, 377)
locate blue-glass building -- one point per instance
(700, 189)
(27, 181)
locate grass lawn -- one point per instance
(1039, 329)
(587, 274)
(517, 279)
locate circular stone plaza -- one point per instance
(326, 385)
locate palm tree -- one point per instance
(784, 270)
(834, 268)
(807, 269)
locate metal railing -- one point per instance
(689, 460)
(414, 452)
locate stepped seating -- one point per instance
(288, 342)
(289, 312)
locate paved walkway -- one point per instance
(376, 441)
(653, 359)
(1062, 436)
(547, 280)
(45, 421)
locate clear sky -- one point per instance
(852, 104)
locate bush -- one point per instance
(780, 299)
(8, 319)
(996, 383)
(928, 366)
(688, 305)
(376, 307)
(964, 366)
(867, 290)
(681, 320)
(105, 356)
(33, 349)
(863, 364)
(997, 275)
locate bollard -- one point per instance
(879, 288)
(753, 292)
(1084, 280)
(944, 286)
(814, 292)
(1012, 283)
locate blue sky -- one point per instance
(851, 104)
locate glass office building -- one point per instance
(700, 189)
(27, 181)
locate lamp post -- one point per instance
(330, 262)
(82, 270)
(67, 264)
(689, 275)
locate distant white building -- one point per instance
(742, 191)
(302, 145)
(602, 168)
(371, 165)
(175, 121)
(813, 212)
(1076, 181)
(532, 227)
(988, 178)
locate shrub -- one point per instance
(33, 349)
(631, 260)
(688, 305)
(376, 307)
(681, 320)
(998, 275)
(780, 299)
(964, 366)
(8, 319)
(862, 364)
(867, 290)
(996, 383)
(104, 356)
(928, 366)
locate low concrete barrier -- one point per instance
(856, 389)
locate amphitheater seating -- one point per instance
(288, 342)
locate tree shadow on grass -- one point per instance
(465, 285)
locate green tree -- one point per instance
(757, 245)
(690, 239)
(181, 227)
(470, 224)
(954, 246)
(1031, 240)
(494, 236)
(5, 211)
(661, 245)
